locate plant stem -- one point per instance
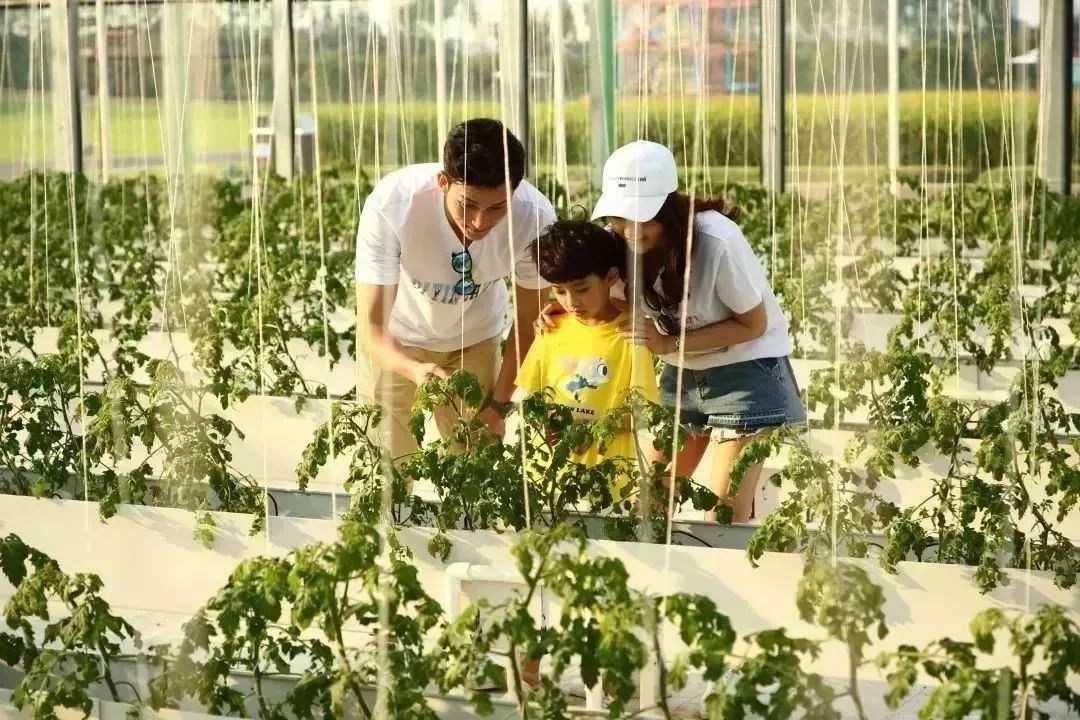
(257, 681)
(343, 658)
(853, 681)
(286, 353)
(523, 705)
(106, 672)
(654, 630)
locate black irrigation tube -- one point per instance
(270, 495)
(691, 535)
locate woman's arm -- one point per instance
(739, 328)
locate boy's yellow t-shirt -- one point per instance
(588, 367)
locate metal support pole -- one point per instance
(523, 75)
(284, 114)
(602, 89)
(1055, 93)
(894, 94)
(65, 85)
(104, 118)
(772, 95)
(606, 22)
(440, 72)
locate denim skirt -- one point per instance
(737, 399)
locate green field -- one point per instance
(974, 124)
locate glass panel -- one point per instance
(134, 65)
(566, 28)
(673, 55)
(26, 138)
(231, 76)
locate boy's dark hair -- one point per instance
(572, 250)
(473, 154)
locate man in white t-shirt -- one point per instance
(434, 248)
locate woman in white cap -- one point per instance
(737, 380)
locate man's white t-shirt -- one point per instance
(726, 277)
(405, 239)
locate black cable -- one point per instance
(273, 500)
(134, 689)
(692, 535)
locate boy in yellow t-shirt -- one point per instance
(584, 359)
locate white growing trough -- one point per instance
(156, 574)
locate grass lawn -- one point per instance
(223, 127)
(136, 129)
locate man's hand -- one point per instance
(420, 373)
(495, 422)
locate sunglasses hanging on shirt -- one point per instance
(462, 263)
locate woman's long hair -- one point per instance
(674, 218)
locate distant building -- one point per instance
(651, 35)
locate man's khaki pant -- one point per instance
(395, 393)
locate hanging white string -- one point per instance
(698, 151)
(952, 184)
(558, 90)
(924, 209)
(261, 266)
(394, 64)
(30, 85)
(465, 164)
(377, 376)
(703, 48)
(505, 83)
(794, 162)
(841, 226)
(640, 125)
(323, 273)
(388, 472)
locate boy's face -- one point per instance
(588, 298)
(473, 210)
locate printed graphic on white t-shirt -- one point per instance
(405, 239)
(449, 293)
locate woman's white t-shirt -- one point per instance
(726, 277)
(406, 240)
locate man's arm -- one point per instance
(527, 305)
(373, 305)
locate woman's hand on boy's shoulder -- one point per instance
(643, 332)
(546, 320)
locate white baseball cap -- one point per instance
(637, 179)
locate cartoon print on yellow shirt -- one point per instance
(583, 374)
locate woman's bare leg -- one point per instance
(686, 462)
(720, 479)
(688, 459)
